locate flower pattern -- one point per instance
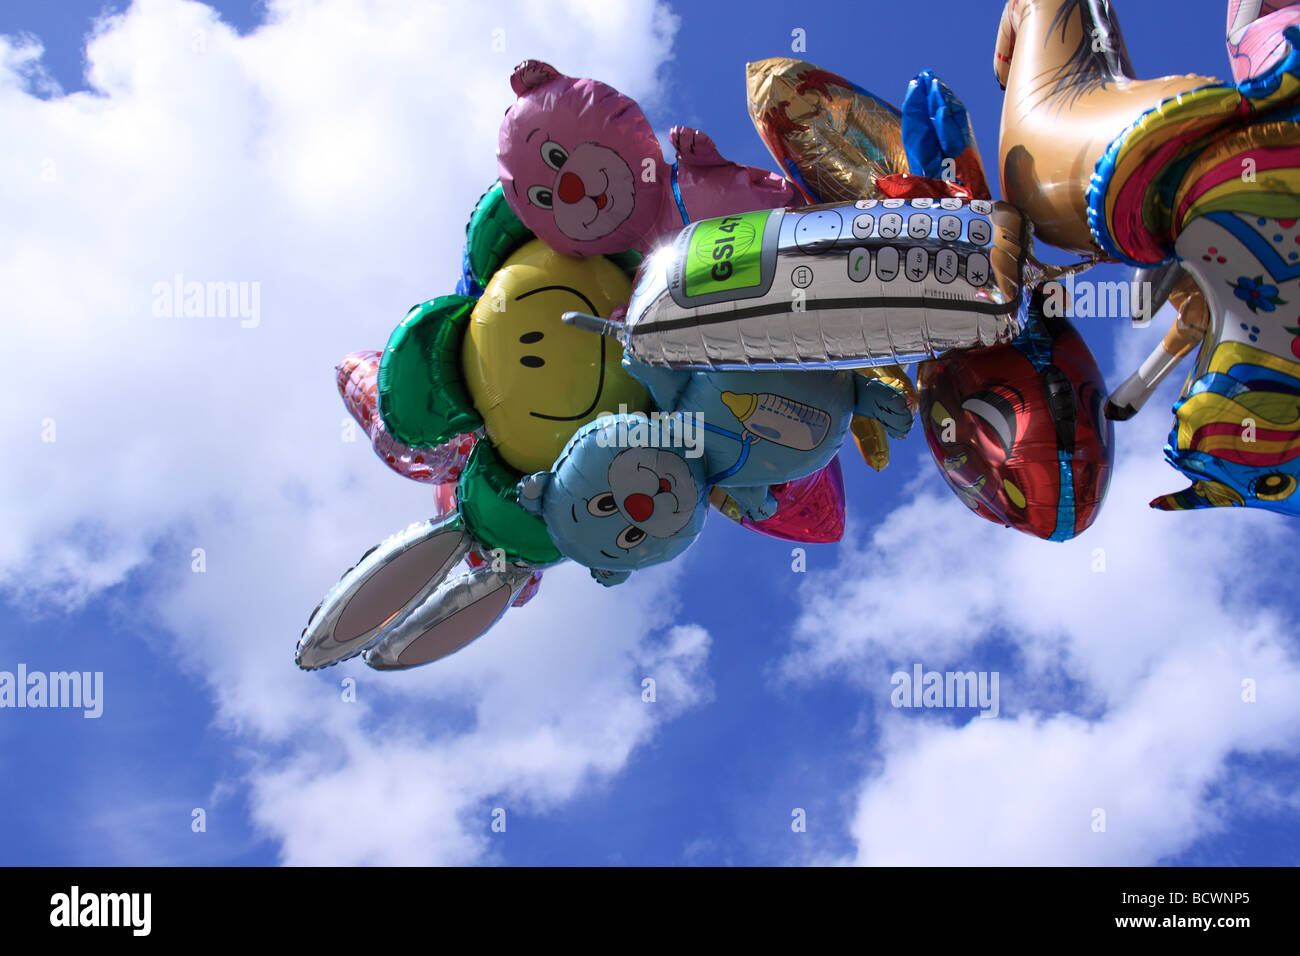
(1256, 294)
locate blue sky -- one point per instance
(333, 157)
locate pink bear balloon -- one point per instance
(582, 168)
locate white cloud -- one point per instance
(332, 157)
(1188, 606)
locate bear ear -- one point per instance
(531, 489)
(531, 74)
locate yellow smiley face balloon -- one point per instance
(534, 379)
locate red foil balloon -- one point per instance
(1018, 431)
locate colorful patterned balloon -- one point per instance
(356, 376)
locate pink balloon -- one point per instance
(581, 167)
(809, 509)
(357, 375)
(1255, 34)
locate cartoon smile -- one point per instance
(593, 192)
(647, 486)
(573, 190)
(641, 507)
(534, 379)
(539, 362)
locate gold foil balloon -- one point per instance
(831, 137)
(1070, 91)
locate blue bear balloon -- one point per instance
(630, 491)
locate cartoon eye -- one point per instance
(528, 338)
(943, 421)
(1014, 494)
(532, 361)
(540, 196)
(630, 537)
(997, 413)
(554, 155)
(1274, 487)
(602, 506)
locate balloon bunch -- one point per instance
(633, 340)
(477, 390)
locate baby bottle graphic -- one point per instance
(779, 419)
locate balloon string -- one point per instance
(677, 194)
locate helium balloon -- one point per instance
(1255, 28)
(1069, 92)
(943, 158)
(398, 606)
(938, 136)
(504, 361)
(357, 375)
(831, 137)
(389, 580)
(531, 377)
(632, 491)
(1183, 159)
(854, 284)
(1236, 433)
(446, 388)
(1171, 186)
(595, 182)
(1018, 431)
(808, 509)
